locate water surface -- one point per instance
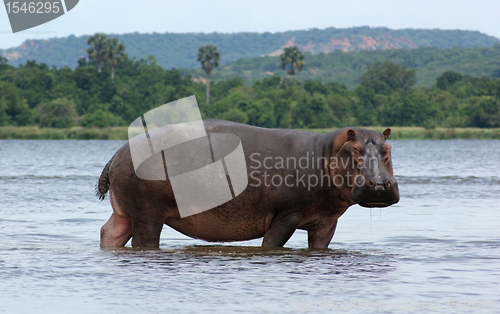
(441, 242)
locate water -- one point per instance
(440, 243)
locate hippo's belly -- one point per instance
(224, 223)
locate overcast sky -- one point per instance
(228, 16)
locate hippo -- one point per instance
(296, 180)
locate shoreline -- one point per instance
(421, 133)
(121, 133)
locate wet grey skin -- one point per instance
(272, 212)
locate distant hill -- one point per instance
(174, 50)
(347, 67)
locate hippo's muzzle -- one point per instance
(375, 187)
(376, 193)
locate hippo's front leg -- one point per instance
(281, 229)
(320, 236)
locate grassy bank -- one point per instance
(75, 133)
(120, 133)
(419, 133)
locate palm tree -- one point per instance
(294, 57)
(209, 56)
(114, 54)
(97, 51)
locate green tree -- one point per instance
(114, 53)
(13, 109)
(209, 57)
(409, 108)
(387, 77)
(35, 82)
(235, 115)
(294, 57)
(97, 52)
(447, 79)
(484, 112)
(3, 62)
(58, 113)
(101, 119)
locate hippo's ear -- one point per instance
(343, 138)
(387, 133)
(351, 134)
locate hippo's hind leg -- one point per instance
(118, 229)
(281, 229)
(146, 232)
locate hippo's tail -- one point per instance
(102, 186)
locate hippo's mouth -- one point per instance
(378, 196)
(376, 204)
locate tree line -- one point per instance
(348, 67)
(34, 94)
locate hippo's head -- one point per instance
(366, 165)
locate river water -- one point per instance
(437, 250)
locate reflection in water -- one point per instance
(229, 259)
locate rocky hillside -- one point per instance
(174, 50)
(347, 44)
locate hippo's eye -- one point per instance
(356, 154)
(387, 155)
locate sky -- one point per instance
(230, 16)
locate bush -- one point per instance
(485, 113)
(388, 76)
(13, 109)
(101, 119)
(447, 79)
(58, 113)
(235, 115)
